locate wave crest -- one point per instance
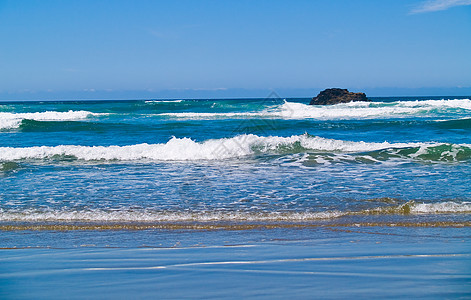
(185, 149)
(13, 120)
(352, 110)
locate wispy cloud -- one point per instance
(437, 5)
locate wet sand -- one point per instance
(316, 262)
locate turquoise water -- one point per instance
(91, 176)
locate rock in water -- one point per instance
(335, 96)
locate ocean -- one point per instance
(228, 198)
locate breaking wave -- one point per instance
(13, 120)
(186, 149)
(352, 110)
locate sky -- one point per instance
(181, 49)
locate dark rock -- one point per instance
(335, 96)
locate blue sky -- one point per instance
(151, 49)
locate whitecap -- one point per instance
(13, 120)
(164, 101)
(352, 110)
(214, 149)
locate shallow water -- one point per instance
(328, 263)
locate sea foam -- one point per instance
(13, 120)
(149, 215)
(441, 207)
(101, 215)
(182, 149)
(352, 110)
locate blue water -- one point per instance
(238, 160)
(261, 198)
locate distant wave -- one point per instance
(462, 123)
(286, 110)
(13, 120)
(451, 103)
(352, 110)
(149, 215)
(164, 101)
(182, 149)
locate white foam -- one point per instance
(164, 101)
(455, 103)
(342, 111)
(13, 120)
(100, 215)
(441, 207)
(352, 110)
(148, 215)
(187, 149)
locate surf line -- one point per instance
(223, 226)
